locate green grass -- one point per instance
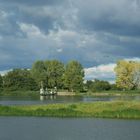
(19, 93)
(119, 109)
(114, 92)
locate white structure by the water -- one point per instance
(41, 91)
(46, 92)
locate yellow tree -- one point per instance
(136, 78)
(125, 74)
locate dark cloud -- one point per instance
(105, 25)
(34, 2)
(117, 17)
(93, 32)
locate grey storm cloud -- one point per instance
(117, 17)
(93, 32)
(34, 2)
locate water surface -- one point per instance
(23, 128)
(62, 99)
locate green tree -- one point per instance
(73, 77)
(114, 87)
(55, 71)
(100, 85)
(19, 79)
(39, 73)
(1, 82)
(88, 84)
(125, 74)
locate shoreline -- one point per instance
(113, 109)
(25, 93)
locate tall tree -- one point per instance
(39, 73)
(55, 71)
(125, 74)
(73, 77)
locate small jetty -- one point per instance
(46, 92)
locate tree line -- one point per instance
(49, 73)
(99, 85)
(53, 73)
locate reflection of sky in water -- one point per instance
(61, 99)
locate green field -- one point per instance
(119, 109)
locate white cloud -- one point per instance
(4, 72)
(102, 72)
(59, 50)
(31, 30)
(137, 59)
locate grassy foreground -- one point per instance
(123, 109)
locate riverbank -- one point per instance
(114, 93)
(26, 93)
(19, 93)
(114, 109)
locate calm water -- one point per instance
(61, 99)
(33, 128)
(23, 128)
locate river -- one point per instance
(36, 128)
(62, 99)
(32, 128)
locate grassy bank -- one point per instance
(124, 110)
(19, 93)
(114, 93)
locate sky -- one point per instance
(95, 33)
